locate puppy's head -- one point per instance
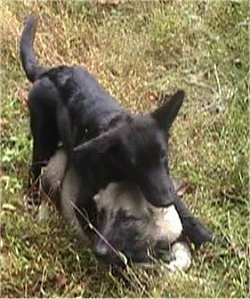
(135, 150)
(126, 224)
(129, 226)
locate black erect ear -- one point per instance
(92, 150)
(166, 114)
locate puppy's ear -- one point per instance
(166, 114)
(92, 150)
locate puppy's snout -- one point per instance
(167, 193)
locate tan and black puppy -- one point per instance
(120, 223)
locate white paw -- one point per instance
(182, 257)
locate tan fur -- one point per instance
(165, 222)
(53, 177)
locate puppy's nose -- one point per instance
(101, 250)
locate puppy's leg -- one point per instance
(192, 227)
(85, 208)
(42, 151)
(45, 139)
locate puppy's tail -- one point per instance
(28, 59)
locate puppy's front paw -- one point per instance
(197, 232)
(181, 257)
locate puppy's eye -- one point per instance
(129, 219)
(130, 222)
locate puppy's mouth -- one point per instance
(157, 200)
(140, 259)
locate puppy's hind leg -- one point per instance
(42, 151)
(45, 139)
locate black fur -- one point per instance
(68, 105)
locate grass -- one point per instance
(138, 50)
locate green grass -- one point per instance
(139, 51)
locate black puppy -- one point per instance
(68, 105)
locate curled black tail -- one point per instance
(28, 59)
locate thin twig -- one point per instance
(217, 79)
(200, 84)
(92, 227)
(117, 253)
